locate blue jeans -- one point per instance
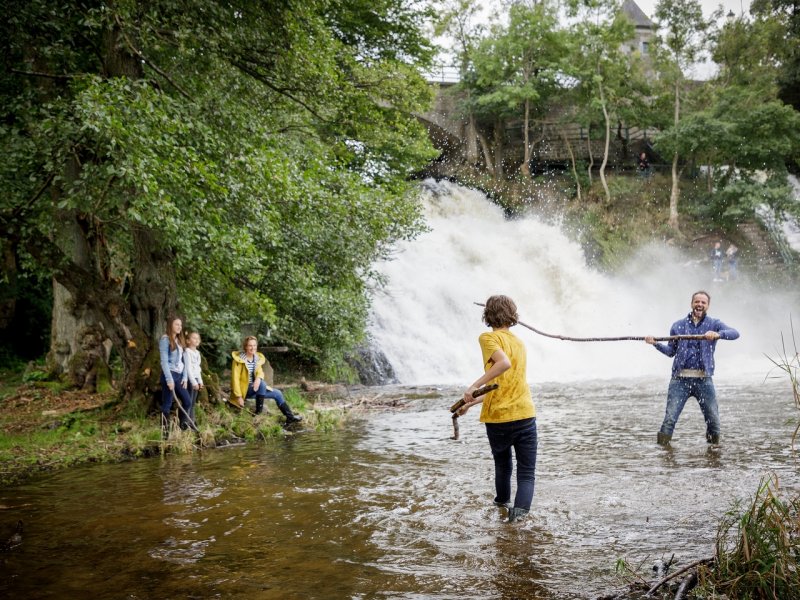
(261, 393)
(183, 396)
(680, 389)
(520, 435)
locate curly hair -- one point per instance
(500, 311)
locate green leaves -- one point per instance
(518, 62)
(266, 146)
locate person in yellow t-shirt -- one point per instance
(508, 412)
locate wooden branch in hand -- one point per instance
(476, 394)
(454, 409)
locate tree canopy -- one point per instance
(242, 162)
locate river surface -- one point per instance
(390, 507)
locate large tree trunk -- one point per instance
(471, 140)
(131, 321)
(487, 153)
(102, 300)
(78, 353)
(675, 191)
(572, 163)
(73, 331)
(526, 167)
(499, 131)
(607, 144)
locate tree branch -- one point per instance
(283, 92)
(150, 63)
(41, 74)
(688, 567)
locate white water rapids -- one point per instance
(426, 323)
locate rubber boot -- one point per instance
(712, 438)
(516, 514)
(164, 427)
(663, 439)
(290, 416)
(259, 404)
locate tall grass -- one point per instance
(789, 363)
(757, 548)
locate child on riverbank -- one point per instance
(193, 359)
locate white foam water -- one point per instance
(426, 323)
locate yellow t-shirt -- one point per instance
(512, 400)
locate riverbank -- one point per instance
(45, 428)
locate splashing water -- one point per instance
(426, 323)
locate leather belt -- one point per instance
(691, 373)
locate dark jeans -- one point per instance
(262, 393)
(521, 436)
(183, 396)
(680, 390)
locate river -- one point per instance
(389, 506)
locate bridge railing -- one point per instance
(443, 74)
(577, 132)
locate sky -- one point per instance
(703, 70)
(709, 6)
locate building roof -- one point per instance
(636, 14)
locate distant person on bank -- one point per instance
(693, 367)
(508, 412)
(643, 165)
(732, 253)
(247, 380)
(716, 260)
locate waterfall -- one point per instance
(426, 323)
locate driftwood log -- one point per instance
(683, 589)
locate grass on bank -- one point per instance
(44, 427)
(757, 549)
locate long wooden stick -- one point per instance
(185, 414)
(607, 339)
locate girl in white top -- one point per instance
(192, 359)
